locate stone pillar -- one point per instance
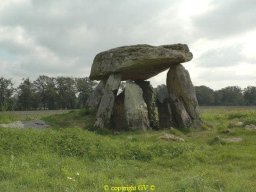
(135, 107)
(182, 96)
(182, 118)
(105, 110)
(119, 122)
(149, 96)
(166, 118)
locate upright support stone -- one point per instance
(182, 96)
(135, 108)
(183, 120)
(149, 96)
(94, 99)
(166, 117)
(119, 115)
(105, 109)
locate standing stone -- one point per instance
(119, 116)
(135, 108)
(107, 101)
(182, 118)
(166, 118)
(94, 99)
(149, 96)
(182, 96)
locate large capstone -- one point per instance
(138, 62)
(182, 96)
(136, 113)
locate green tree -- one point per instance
(229, 96)
(250, 95)
(40, 88)
(6, 92)
(84, 87)
(27, 98)
(205, 95)
(66, 91)
(46, 89)
(51, 92)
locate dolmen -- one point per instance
(138, 106)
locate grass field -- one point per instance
(70, 156)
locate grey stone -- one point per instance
(138, 62)
(239, 124)
(105, 110)
(39, 124)
(135, 108)
(182, 96)
(162, 93)
(233, 140)
(170, 137)
(149, 96)
(181, 116)
(119, 116)
(94, 99)
(166, 118)
(16, 124)
(250, 127)
(235, 124)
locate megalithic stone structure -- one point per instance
(138, 106)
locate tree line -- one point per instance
(228, 96)
(45, 93)
(72, 93)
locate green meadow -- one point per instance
(71, 156)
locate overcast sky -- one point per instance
(61, 37)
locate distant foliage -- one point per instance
(228, 96)
(6, 92)
(72, 93)
(27, 98)
(45, 93)
(250, 95)
(205, 95)
(84, 88)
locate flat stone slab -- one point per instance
(39, 124)
(170, 137)
(138, 62)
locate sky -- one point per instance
(62, 37)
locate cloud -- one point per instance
(241, 75)
(223, 57)
(227, 18)
(71, 28)
(62, 37)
